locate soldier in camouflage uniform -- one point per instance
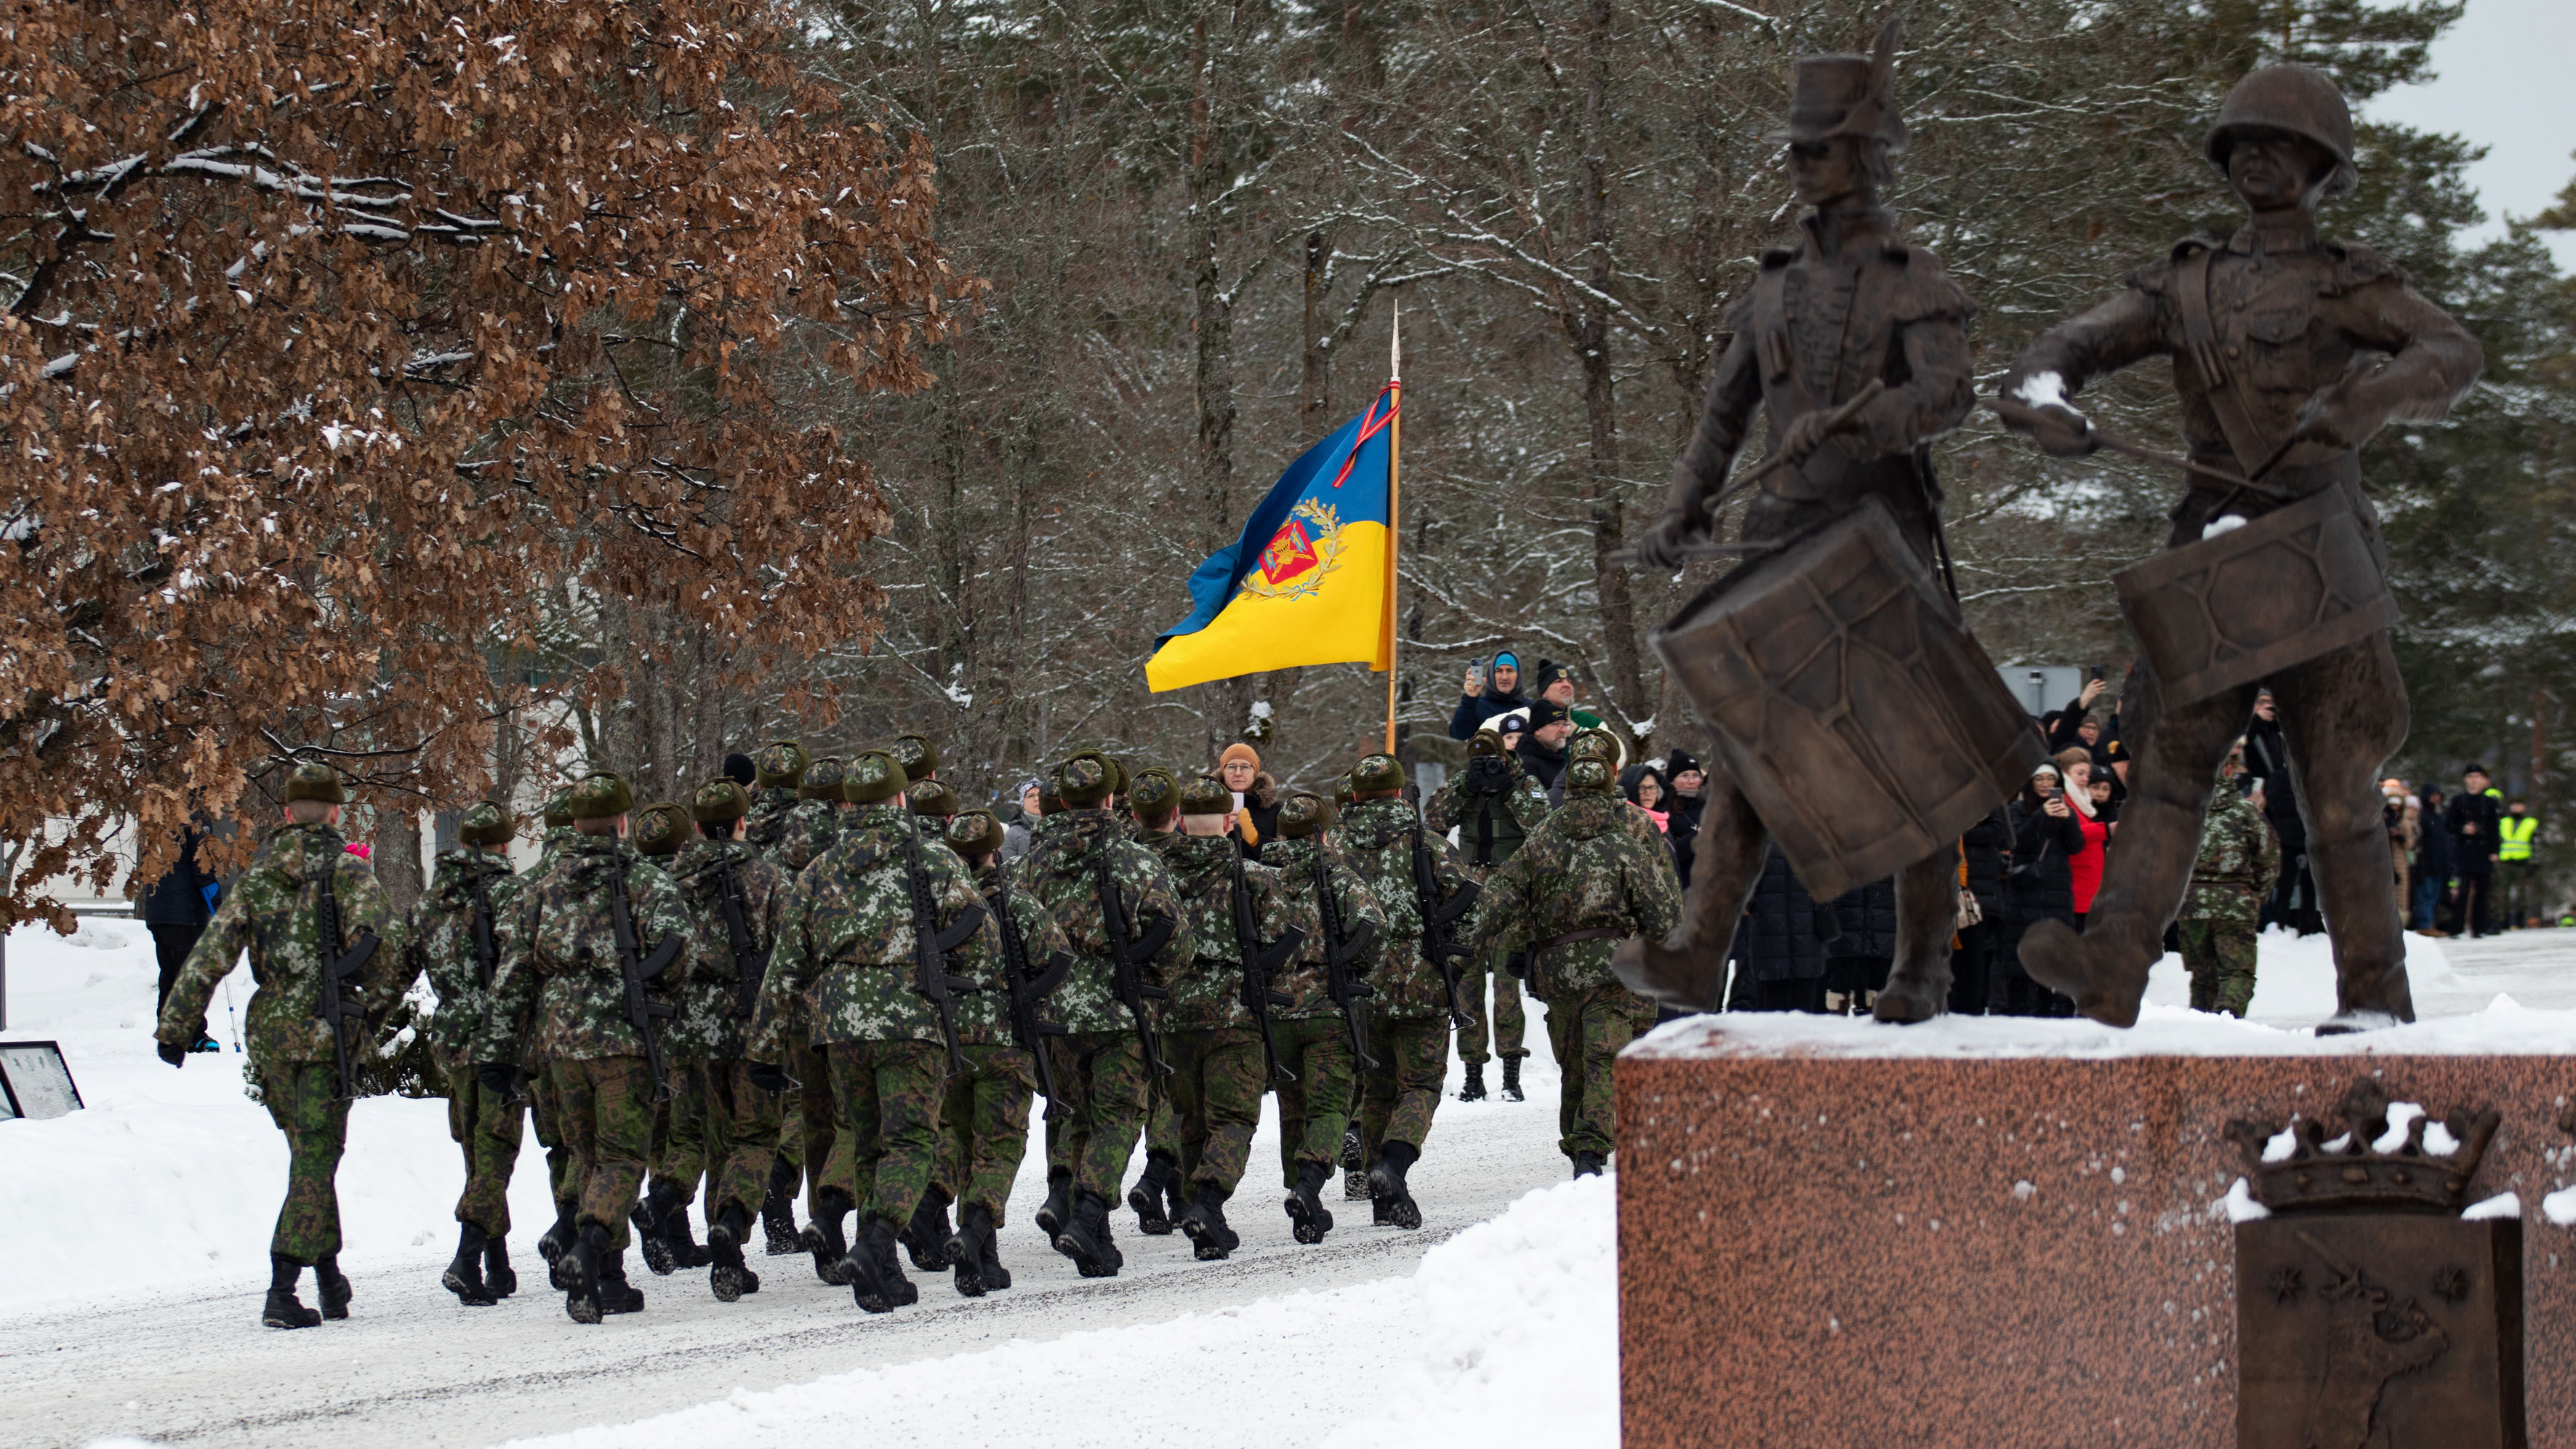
(715, 868)
(1493, 805)
(1099, 1064)
(2220, 917)
(919, 758)
(778, 772)
(1409, 1013)
(273, 911)
(563, 1172)
(561, 974)
(925, 1235)
(1580, 885)
(984, 1122)
(816, 821)
(454, 936)
(847, 935)
(1315, 1108)
(680, 1145)
(1151, 815)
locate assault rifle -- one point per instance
(750, 963)
(1258, 964)
(339, 963)
(487, 957)
(1442, 950)
(1029, 985)
(634, 968)
(1346, 989)
(931, 945)
(1125, 982)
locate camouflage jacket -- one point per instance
(712, 1025)
(846, 938)
(2235, 847)
(558, 839)
(1490, 824)
(441, 942)
(1208, 992)
(561, 994)
(768, 818)
(1304, 978)
(1583, 870)
(985, 1019)
(273, 912)
(806, 832)
(1062, 869)
(1377, 837)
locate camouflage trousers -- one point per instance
(1399, 1095)
(889, 1093)
(2217, 927)
(1093, 1130)
(488, 1128)
(984, 1128)
(742, 1138)
(680, 1132)
(1315, 1109)
(1215, 1090)
(608, 1117)
(545, 1118)
(811, 1138)
(1507, 1021)
(299, 1096)
(1586, 1028)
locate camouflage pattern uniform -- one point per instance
(1410, 1012)
(742, 1119)
(816, 821)
(2219, 919)
(272, 911)
(984, 1121)
(1583, 875)
(808, 1137)
(1492, 817)
(1314, 1041)
(563, 1172)
(777, 769)
(1219, 1074)
(486, 1125)
(680, 1126)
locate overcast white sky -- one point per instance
(2504, 83)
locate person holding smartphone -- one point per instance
(1487, 693)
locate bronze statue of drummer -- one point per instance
(1855, 721)
(2289, 352)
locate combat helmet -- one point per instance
(1847, 95)
(2295, 98)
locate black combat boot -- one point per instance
(499, 1278)
(869, 1267)
(1176, 1196)
(1212, 1239)
(778, 1210)
(1387, 1190)
(988, 1255)
(823, 1235)
(964, 1250)
(557, 1244)
(1152, 1218)
(1512, 1080)
(283, 1309)
(616, 1295)
(905, 1291)
(683, 1238)
(730, 1277)
(464, 1275)
(1059, 1201)
(1087, 1240)
(648, 1218)
(1473, 1089)
(332, 1285)
(1307, 1215)
(579, 1272)
(926, 1236)
(1588, 1164)
(1354, 1165)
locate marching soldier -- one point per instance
(777, 772)
(576, 973)
(2219, 920)
(2289, 352)
(1493, 805)
(816, 821)
(925, 1237)
(681, 1143)
(1320, 1032)
(1153, 804)
(320, 933)
(807, 1134)
(1577, 888)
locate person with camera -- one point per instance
(1489, 691)
(2040, 887)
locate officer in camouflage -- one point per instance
(777, 770)
(847, 934)
(454, 936)
(1493, 805)
(680, 1142)
(274, 912)
(1409, 1032)
(1312, 1032)
(561, 973)
(1577, 887)
(1099, 1065)
(2220, 917)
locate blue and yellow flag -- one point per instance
(1312, 579)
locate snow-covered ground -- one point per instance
(138, 1234)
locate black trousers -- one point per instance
(1792, 995)
(171, 945)
(1972, 969)
(2471, 914)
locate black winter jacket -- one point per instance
(1777, 939)
(178, 898)
(2472, 854)
(1988, 845)
(2043, 842)
(1867, 916)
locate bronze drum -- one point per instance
(2286, 587)
(1850, 703)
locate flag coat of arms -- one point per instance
(1312, 578)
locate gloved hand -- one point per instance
(1804, 435)
(496, 1076)
(768, 1076)
(172, 1053)
(1661, 546)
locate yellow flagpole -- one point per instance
(1394, 531)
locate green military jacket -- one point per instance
(712, 1024)
(551, 848)
(846, 937)
(561, 994)
(1377, 838)
(1305, 978)
(2237, 860)
(767, 822)
(809, 830)
(442, 942)
(1208, 992)
(1062, 869)
(1584, 870)
(273, 912)
(1491, 824)
(984, 1019)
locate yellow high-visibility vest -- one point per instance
(2514, 837)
